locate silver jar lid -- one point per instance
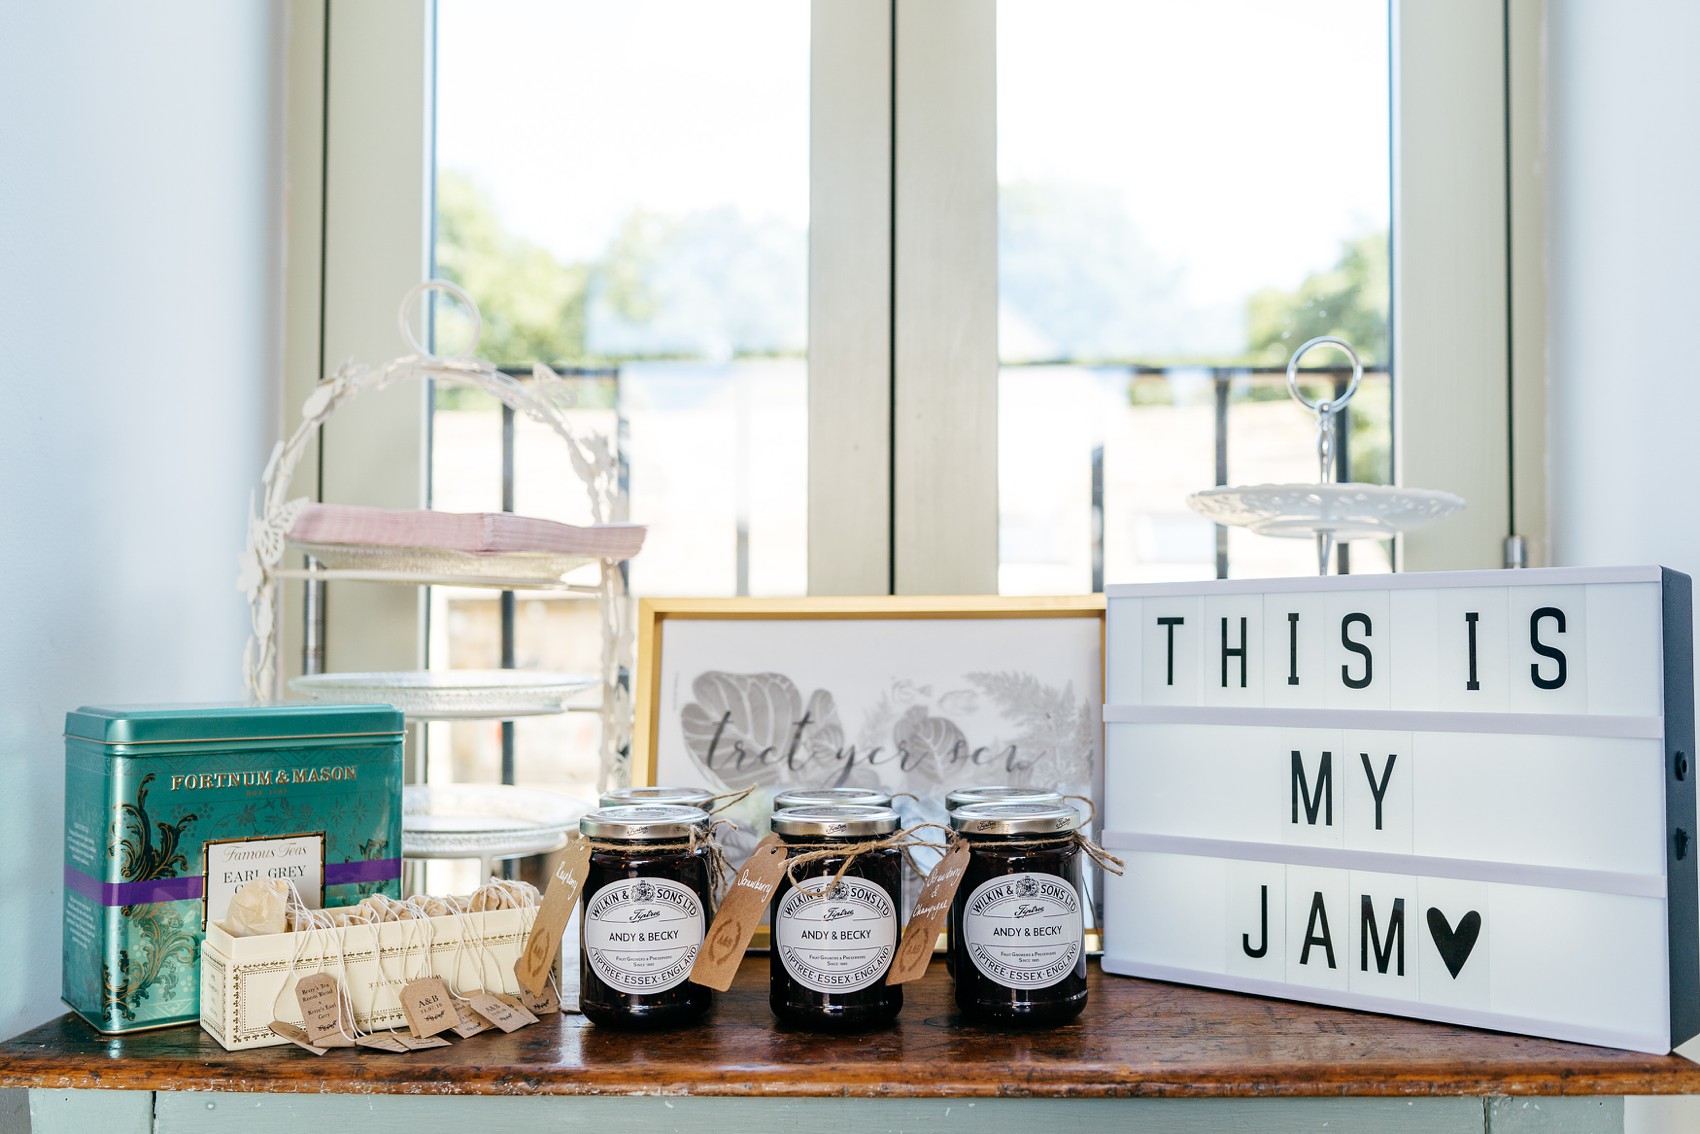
(832, 797)
(644, 822)
(628, 796)
(835, 821)
(1014, 819)
(1002, 793)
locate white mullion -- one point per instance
(303, 231)
(1449, 309)
(1527, 83)
(377, 245)
(945, 527)
(850, 298)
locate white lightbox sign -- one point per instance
(1463, 796)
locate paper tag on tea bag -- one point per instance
(325, 1013)
(736, 920)
(469, 1023)
(382, 1042)
(428, 1007)
(932, 907)
(545, 1005)
(414, 1043)
(296, 1036)
(559, 901)
(508, 1017)
(517, 1002)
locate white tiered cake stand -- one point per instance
(1327, 511)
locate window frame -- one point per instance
(903, 364)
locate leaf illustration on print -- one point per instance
(960, 701)
(1054, 737)
(743, 728)
(927, 743)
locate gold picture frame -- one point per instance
(654, 613)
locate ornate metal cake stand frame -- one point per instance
(545, 397)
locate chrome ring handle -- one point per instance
(1326, 406)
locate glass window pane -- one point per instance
(1188, 190)
(624, 190)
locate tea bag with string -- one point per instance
(326, 1012)
(467, 1022)
(501, 1009)
(292, 1032)
(425, 1001)
(260, 907)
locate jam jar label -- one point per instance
(840, 942)
(1024, 930)
(642, 934)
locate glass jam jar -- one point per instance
(645, 907)
(831, 950)
(832, 797)
(1017, 935)
(1000, 793)
(633, 796)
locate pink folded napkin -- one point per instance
(477, 533)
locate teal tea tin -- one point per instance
(153, 792)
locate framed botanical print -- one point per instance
(915, 695)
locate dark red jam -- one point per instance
(834, 937)
(1017, 927)
(646, 903)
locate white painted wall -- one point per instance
(1624, 294)
(140, 249)
(1624, 236)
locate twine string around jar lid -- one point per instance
(1042, 827)
(898, 840)
(662, 795)
(720, 872)
(715, 804)
(1091, 808)
(1093, 851)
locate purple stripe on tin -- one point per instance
(182, 889)
(372, 870)
(132, 893)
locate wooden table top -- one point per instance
(1135, 1038)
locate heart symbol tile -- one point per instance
(1454, 944)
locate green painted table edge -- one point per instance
(192, 1112)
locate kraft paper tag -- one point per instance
(414, 1043)
(296, 1036)
(517, 1002)
(508, 1017)
(545, 1005)
(736, 920)
(382, 1043)
(325, 1012)
(428, 1007)
(559, 901)
(469, 1022)
(932, 907)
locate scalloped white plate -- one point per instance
(474, 820)
(450, 694)
(532, 566)
(1347, 511)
